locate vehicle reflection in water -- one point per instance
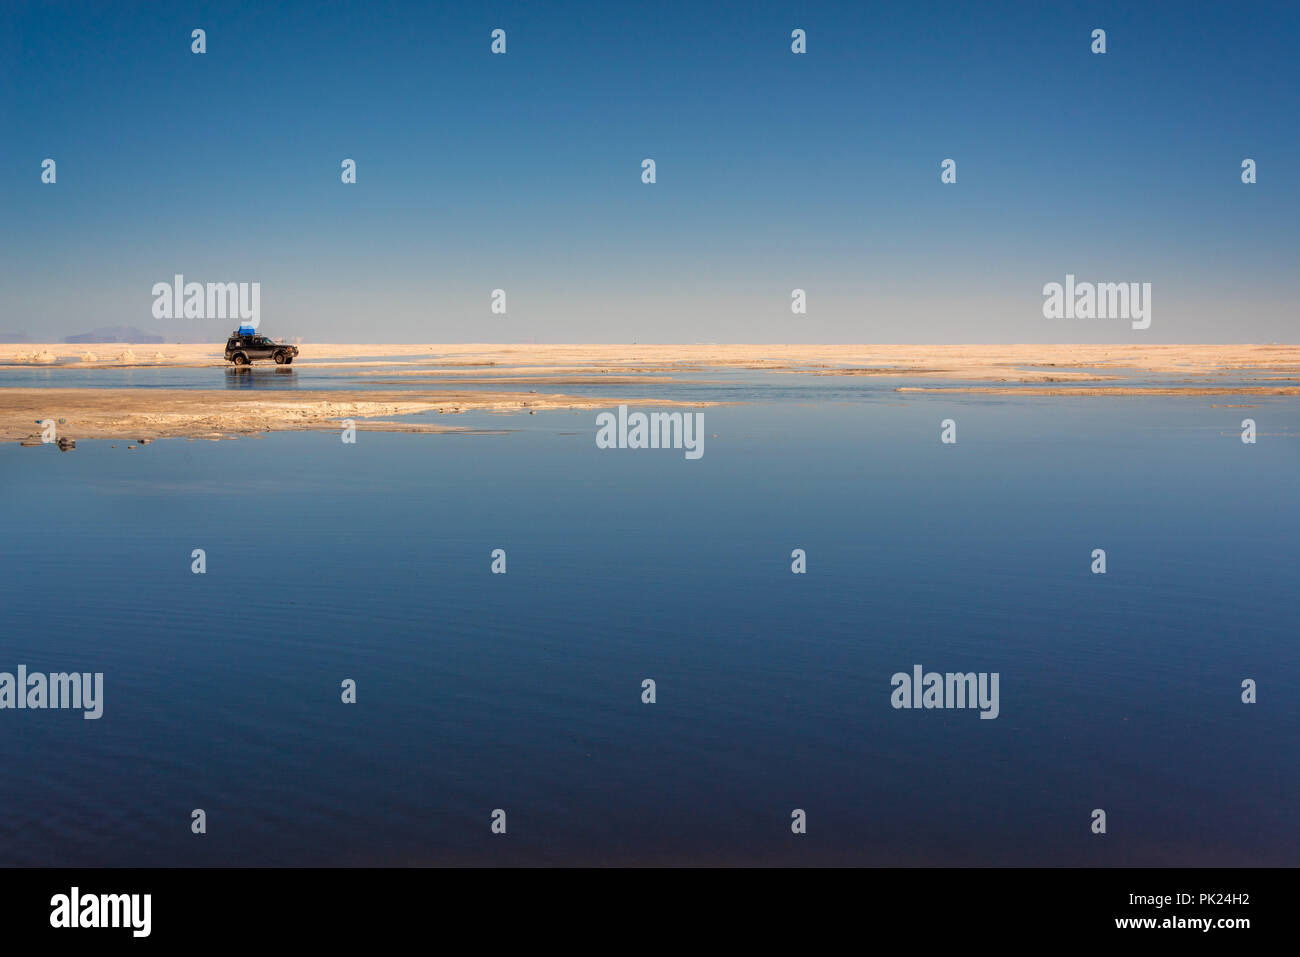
(253, 377)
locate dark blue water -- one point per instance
(522, 691)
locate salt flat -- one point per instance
(440, 374)
(1015, 362)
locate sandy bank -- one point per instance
(161, 413)
(1084, 391)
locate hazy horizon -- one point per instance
(218, 340)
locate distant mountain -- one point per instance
(114, 334)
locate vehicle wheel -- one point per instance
(279, 358)
(288, 360)
(240, 359)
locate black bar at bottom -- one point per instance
(338, 906)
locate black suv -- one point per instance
(243, 347)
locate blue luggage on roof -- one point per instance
(246, 330)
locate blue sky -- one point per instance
(775, 171)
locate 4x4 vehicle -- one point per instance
(245, 345)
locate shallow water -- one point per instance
(521, 691)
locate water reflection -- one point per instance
(252, 377)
